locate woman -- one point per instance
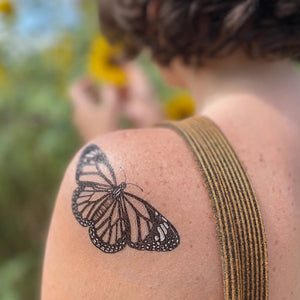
(236, 59)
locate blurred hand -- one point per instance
(97, 110)
(140, 104)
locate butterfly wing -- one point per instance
(86, 201)
(94, 168)
(148, 229)
(103, 215)
(95, 178)
(109, 232)
(115, 220)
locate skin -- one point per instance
(256, 104)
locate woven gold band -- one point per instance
(238, 219)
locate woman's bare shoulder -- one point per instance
(160, 172)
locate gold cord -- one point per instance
(238, 218)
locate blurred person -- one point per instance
(99, 109)
(139, 190)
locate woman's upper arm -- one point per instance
(162, 177)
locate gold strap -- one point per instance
(238, 219)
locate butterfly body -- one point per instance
(117, 191)
(115, 217)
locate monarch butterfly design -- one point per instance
(114, 216)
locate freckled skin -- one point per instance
(75, 269)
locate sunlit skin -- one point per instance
(257, 107)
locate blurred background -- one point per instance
(44, 47)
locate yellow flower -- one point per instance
(6, 7)
(101, 62)
(180, 107)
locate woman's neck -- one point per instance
(277, 83)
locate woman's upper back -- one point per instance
(159, 161)
(267, 141)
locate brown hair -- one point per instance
(197, 30)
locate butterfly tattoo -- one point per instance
(115, 217)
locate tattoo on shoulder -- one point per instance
(115, 217)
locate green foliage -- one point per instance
(37, 140)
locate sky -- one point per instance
(39, 23)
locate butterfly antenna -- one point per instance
(124, 173)
(136, 186)
(130, 183)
